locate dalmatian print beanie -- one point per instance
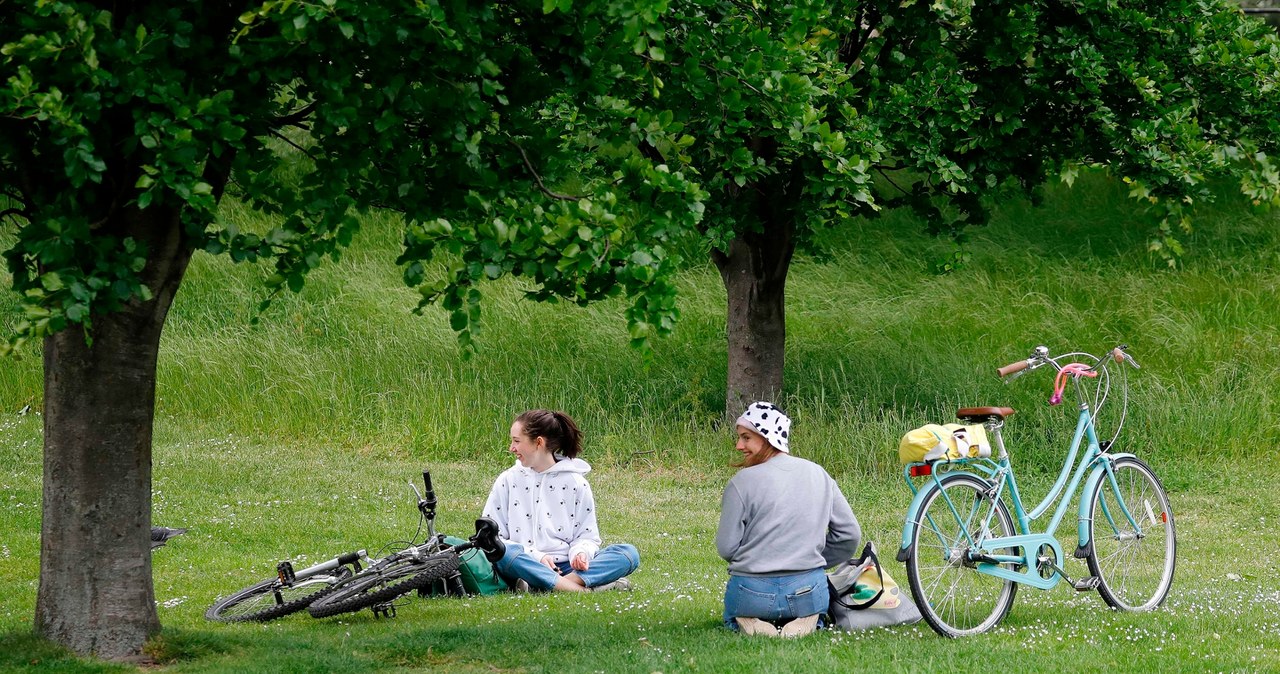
(769, 421)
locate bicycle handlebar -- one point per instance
(430, 495)
(1014, 367)
(1040, 356)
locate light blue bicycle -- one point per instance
(966, 555)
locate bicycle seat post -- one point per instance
(994, 424)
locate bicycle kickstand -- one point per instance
(386, 610)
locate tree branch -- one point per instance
(10, 212)
(884, 175)
(217, 172)
(648, 151)
(297, 147)
(538, 179)
(294, 118)
(852, 46)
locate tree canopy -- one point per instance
(807, 113)
(459, 116)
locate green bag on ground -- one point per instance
(478, 575)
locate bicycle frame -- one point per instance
(989, 554)
(432, 545)
(287, 576)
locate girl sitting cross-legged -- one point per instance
(546, 513)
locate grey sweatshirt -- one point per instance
(785, 516)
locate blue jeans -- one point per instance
(775, 597)
(610, 563)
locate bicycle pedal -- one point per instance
(383, 610)
(1086, 584)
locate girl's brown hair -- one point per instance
(557, 428)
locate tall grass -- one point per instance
(877, 344)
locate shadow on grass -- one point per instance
(24, 651)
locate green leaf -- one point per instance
(76, 313)
(51, 282)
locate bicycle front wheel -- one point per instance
(952, 595)
(376, 585)
(1133, 564)
(271, 599)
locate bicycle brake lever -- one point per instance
(415, 490)
(1034, 363)
(1122, 353)
(1015, 375)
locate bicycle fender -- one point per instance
(1096, 476)
(913, 511)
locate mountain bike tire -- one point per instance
(378, 584)
(270, 599)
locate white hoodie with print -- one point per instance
(549, 513)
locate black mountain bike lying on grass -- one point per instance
(342, 584)
(289, 592)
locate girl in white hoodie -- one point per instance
(546, 513)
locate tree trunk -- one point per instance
(754, 271)
(96, 595)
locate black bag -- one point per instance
(864, 596)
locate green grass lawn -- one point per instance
(294, 439)
(306, 504)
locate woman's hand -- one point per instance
(580, 562)
(550, 563)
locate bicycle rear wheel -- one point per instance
(378, 584)
(270, 599)
(1134, 566)
(952, 595)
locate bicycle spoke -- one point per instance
(1134, 565)
(954, 597)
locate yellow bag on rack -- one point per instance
(952, 441)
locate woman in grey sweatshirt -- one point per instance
(782, 521)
